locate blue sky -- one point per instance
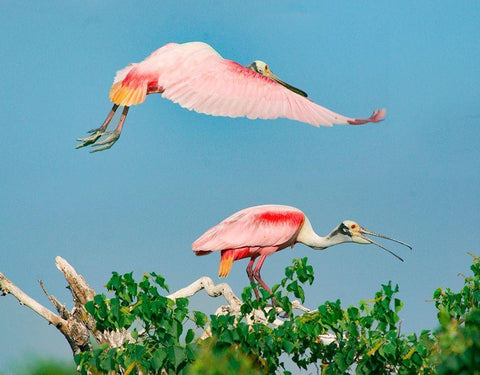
(173, 174)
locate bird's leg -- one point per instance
(250, 276)
(256, 274)
(104, 126)
(258, 277)
(97, 133)
(113, 136)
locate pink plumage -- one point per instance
(250, 233)
(260, 231)
(259, 226)
(196, 77)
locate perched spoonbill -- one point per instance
(257, 232)
(195, 76)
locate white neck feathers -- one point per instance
(308, 237)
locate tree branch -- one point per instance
(7, 287)
(211, 289)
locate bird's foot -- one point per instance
(105, 144)
(108, 142)
(97, 133)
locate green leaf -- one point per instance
(200, 318)
(288, 346)
(160, 280)
(135, 334)
(90, 307)
(389, 349)
(437, 293)
(177, 355)
(182, 302)
(476, 296)
(353, 313)
(158, 358)
(190, 335)
(398, 305)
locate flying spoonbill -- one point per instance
(196, 77)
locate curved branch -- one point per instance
(211, 289)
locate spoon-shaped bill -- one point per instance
(362, 232)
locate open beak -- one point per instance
(359, 237)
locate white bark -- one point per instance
(211, 289)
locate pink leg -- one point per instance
(256, 273)
(250, 275)
(107, 120)
(122, 120)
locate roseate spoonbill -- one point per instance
(257, 232)
(195, 76)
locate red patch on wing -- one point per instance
(134, 88)
(135, 79)
(289, 217)
(236, 67)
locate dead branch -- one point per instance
(76, 334)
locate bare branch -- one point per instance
(211, 289)
(81, 291)
(8, 287)
(76, 335)
(62, 309)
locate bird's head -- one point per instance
(259, 67)
(263, 69)
(350, 231)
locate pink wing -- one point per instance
(196, 77)
(260, 226)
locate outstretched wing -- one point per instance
(196, 77)
(260, 226)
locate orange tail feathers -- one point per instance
(125, 95)
(226, 262)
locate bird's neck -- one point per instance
(308, 237)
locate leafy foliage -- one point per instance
(458, 345)
(368, 338)
(157, 325)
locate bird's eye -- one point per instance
(344, 229)
(353, 226)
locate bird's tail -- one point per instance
(129, 86)
(124, 94)
(226, 262)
